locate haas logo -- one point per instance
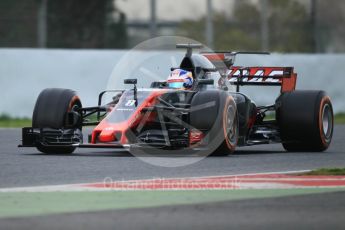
(256, 75)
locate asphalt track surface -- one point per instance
(21, 167)
(27, 167)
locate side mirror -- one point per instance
(133, 82)
(130, 81)
(205, 81)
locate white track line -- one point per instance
(82, 186)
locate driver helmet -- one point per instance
(180, 79)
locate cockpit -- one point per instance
(198, 65)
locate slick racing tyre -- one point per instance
(50, 112)
(305, 120)
(214, 113)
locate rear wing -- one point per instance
(263, 76)
(285, 77)
(219, 58)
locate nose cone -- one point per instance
(107, 135)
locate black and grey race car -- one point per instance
(213, 116)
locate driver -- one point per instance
(180, 79)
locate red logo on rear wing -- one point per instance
(258, 74)
(282, 76)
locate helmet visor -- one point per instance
(175, 85)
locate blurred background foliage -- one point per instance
(69, 24)
(298, 26)
(289, 25)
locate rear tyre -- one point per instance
(214, 113)
(51, 110)
(306, 120)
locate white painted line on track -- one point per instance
(82, 186)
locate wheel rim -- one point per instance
(327, 121)
(231, 125)
(75, 108)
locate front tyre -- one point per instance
(50, 112)
(215, 113)
(228, 129)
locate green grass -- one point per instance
(7, 121)
(339, 118)
(16, 204)
(326, 172)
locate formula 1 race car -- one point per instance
(208, 116)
